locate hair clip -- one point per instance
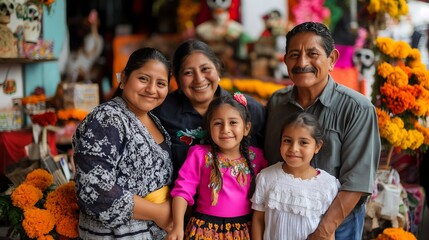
(240, 98)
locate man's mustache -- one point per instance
(296, 70)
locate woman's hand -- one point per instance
(159, 213)
(176, 234)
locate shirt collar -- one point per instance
(325, 98)
(327, 95)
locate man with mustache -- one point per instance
(352, 148)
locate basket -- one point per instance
(16, 173)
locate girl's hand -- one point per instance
(176, 234)
(164, 219)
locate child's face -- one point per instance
(298, 146)
(227, 129)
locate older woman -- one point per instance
(197, 71)
(123, 157)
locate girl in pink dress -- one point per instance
(219, 176)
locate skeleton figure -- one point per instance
(222, 33)
(7, 40)
(32, 22)
(364, 60)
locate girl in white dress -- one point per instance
(292, 196)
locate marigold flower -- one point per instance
(40, 178)
(68, 227)
(69, 114)
(226, 83)
(37, 222)
(26, 196)
(33, 99)
(397, 77)
(64, 195)
(401, 50)
(395, 234)
(384, 69)
(396, 100)
(384, 45)
(424, 131)
(46, 237)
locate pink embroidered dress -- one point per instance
(194, 178)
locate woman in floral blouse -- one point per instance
(123, 157)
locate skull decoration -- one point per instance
(33, 12)
(219, 10)
(364, 60)
(6, 9)
(214, 4)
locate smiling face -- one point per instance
(306, 60)
(298, 146)
(146, 87)
(227, 129)
(198, 78)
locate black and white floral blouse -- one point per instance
(115, 158)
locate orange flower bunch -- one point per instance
(69, 114)
(38, 210)
(33, 99)
(401, 94)
(251, 86)
(395, 234)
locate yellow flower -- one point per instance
(226, 83)
(400, 50)
(384, 45)
(40, 178)
(397, 77)
(37, 222)
(384, 69)
(26, 196)
(424, 131)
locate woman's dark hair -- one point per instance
(244, 145)
(139, 58)
(319, 29)
(187, 48)
(306, 120)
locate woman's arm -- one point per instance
(159, 213)
(258, 225)
(179, 209)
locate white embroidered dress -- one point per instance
(293, 207)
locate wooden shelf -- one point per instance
(24, 60)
